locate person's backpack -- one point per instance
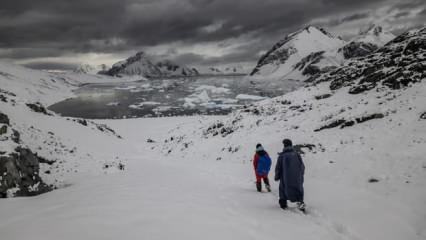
(263, 165)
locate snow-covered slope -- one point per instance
(300, 54)
(364, 152)
(35, 135)
(143, 65)
(188, 176)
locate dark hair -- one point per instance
(287, 143)
(258, 145)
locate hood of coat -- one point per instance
(288, 149)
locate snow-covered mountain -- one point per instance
(366, 42)
(90, 69)
(301, 53)
(141, 64)
(224, 70)
(312, 51)
(397, 64)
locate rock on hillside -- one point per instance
(19, 166)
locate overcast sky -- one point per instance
(60, 34)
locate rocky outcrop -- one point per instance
(357, 49)
(397, 64)
(4, 119)
(19, 166)
(20, 174)
(342, 123)
(38, 107)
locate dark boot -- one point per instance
(301, 206)
(268, 187)
(283, 203)
(259, 186)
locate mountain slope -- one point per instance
(143, 65)
(366, 42)
(289, 57)
(398, 64)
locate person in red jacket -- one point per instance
(262, 164)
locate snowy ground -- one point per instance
(189, 184)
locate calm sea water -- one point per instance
(164, 97)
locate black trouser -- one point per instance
(259, 183)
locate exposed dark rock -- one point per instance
(20, 174)
(311, 70)
(333, 124)
(4, 119)
(357, 49)
(82, 122)
(324, 96)
(347, 124)
(299, 147)
(373, 180)
(361, 88)
(369, 117)
(423, 116)
(46, 161)
(3, 129)
(38, 107)
(286, 102)
(149, 140)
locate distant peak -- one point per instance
(372, 29)
(311, 28)
(140, 53)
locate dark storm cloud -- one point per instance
(349, 18)
(51, 65)
(53, 28)
(409, 4)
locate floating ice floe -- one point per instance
(213, 89)
(143, 104)
(162, 109)
(126, 88)
(196, 99)
(226, 100)
(113, 104)
(250, 97)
